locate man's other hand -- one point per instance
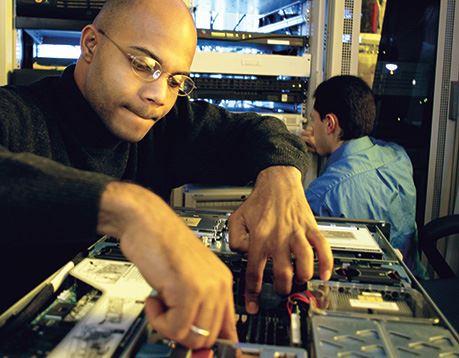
(194, 304)
(276, 222)
(308, 137)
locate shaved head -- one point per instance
(162, 30)
(115, 13)
(166, 18)
(111, 12)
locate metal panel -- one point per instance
(317, 41)
(442, 183)
(318, 35)
(236, 63)
(335, 37)
(438, 198)
(343, 37)
(351, 337)
(354, 7)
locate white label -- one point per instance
(278, 42)
(384, 306)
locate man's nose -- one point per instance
(156, 91)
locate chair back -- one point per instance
(428, 237)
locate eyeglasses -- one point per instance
(148, 69)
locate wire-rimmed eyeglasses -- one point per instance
(148, 69)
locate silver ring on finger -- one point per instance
(200, 331)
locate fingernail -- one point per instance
(252, 307)
(326, 275)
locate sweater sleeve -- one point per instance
(45, 199)
(207, 144)
(41, 199)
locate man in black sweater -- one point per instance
(77, 155)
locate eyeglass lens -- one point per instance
(150, 70)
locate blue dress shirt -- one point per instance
(366, 178)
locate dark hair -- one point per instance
(351, 100)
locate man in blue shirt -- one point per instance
(363, 178)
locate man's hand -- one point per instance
(276, 221)
(194, 286)
(308, 136)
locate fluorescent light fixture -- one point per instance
(391, 67)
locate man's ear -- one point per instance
(332, 123)
(88, 43)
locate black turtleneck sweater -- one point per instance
(56, 156)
